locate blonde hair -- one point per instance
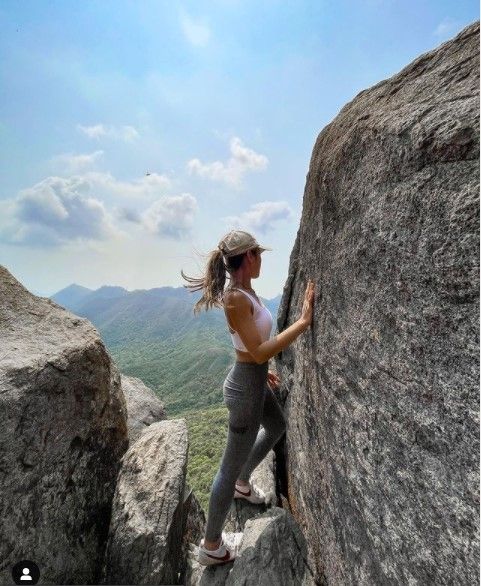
(213, 281)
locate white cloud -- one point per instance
(53, 212)
(261, 216)
(126, 133)
(242, 160)
(171, 216)
(93, 131)
(143, 188)
(129, 215)
(72, 163)
(196, 32)
(59, 210)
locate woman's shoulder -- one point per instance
(235, 296)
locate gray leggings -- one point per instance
(251, 403)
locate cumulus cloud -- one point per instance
(55, 211)
(196, 32)
(129, 215)
(138, 189)
(60, 210)
(242, 160)
(171, 216)
(261, 216)
(125, 133)
(73, 163)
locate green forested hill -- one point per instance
(154, 335)
(187, 374)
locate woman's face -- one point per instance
(252, 263)
(258, 261)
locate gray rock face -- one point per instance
(143, 406)
(64, 430)
(273, 552)
(241, 512)
(148, 520)
(194, 529)
(381, 392)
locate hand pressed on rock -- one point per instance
(273, 380)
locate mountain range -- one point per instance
(153, 334)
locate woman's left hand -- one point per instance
(273, 379)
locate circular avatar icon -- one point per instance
(25, 572)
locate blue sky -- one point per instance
(133, 135)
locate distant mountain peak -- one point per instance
(74, 287)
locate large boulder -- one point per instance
(194, 528)
(64, 430)
(273, 552)
(381, 393)
(148, 517)
(143, 406)
(240, 513)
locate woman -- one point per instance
(247, 394)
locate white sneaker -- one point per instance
(251, 493)
(226, 552)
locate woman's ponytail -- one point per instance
(213, 281)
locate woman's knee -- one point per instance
(241, 429)
(230, 468)
(240, 439)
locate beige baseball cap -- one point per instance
(237, 242)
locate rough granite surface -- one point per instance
(382, 391)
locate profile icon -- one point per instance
(25, 572)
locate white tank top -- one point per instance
(263, 318)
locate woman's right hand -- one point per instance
(306, 314)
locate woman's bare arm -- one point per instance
(271, 347)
